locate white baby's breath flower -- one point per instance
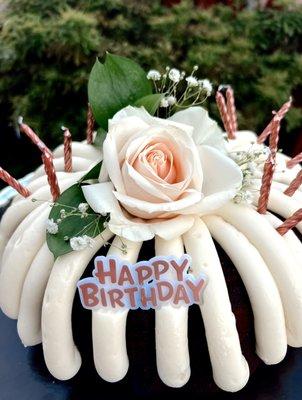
(51, 227)
(83, 207)
(174, 75)
(191, 81)
(164, 103)
(266, 152)
(153, 75)
(171, 100)
(89, 240)
(79, 243)
(206, 85)
(248, 180)
(248, 197)
(252, 167)
(63, 213)
(244, 195)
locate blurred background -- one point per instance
(47, 48)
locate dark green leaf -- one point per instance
(73, 224)
(100, 137)
(150, 102)
(114, 85)
(93, 173)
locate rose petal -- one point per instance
(121, 132)
(210, 204)
(173, 227)
(140, 231)
(134, 232)
(146, 117)
(100, 197)
(206, 131)
(162, 189)
(221, 173)
(222, 179)
(147, 210)
(112, 163)
(139, 187)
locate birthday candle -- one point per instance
(67, 150)
(33, 136)
(224, 115)
(51, 175)
(294, 185)
(269, 168)
(290, 222)
(231, 109)
(90, 125)
(11, 181)
(294, 161)
(278, 115)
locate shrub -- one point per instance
(47, 48)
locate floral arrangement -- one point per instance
(164, 160)
(158, 172)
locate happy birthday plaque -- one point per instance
(118, 284)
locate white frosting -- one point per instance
(171, 328)
(79, 149)
(283, 205)
(290, 238)
(18, 256)
(16, 213)
(78, 164)
(246, 139)
(260, 285)
(282, 174)
(230, 369)
(277, 256)
(281, 187)
(41, 181)
(61, 355)
(108, 326)
(243, 141)
(29, 319)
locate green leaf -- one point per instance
(150, 102)
(93, 173)
(73, 224)
(115, 84)
(99, 138)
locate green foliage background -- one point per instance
(47, 48)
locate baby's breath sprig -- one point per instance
(80, 240)
(180, 90)
(249, 162)
(80, 210)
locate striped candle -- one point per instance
(290, 222)
(279, 115)
(51, 175)
(224, 115)
(67, 150)
(11, 181)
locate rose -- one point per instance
(159, 174)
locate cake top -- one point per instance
(155, 165)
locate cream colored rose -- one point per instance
(159, 174)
